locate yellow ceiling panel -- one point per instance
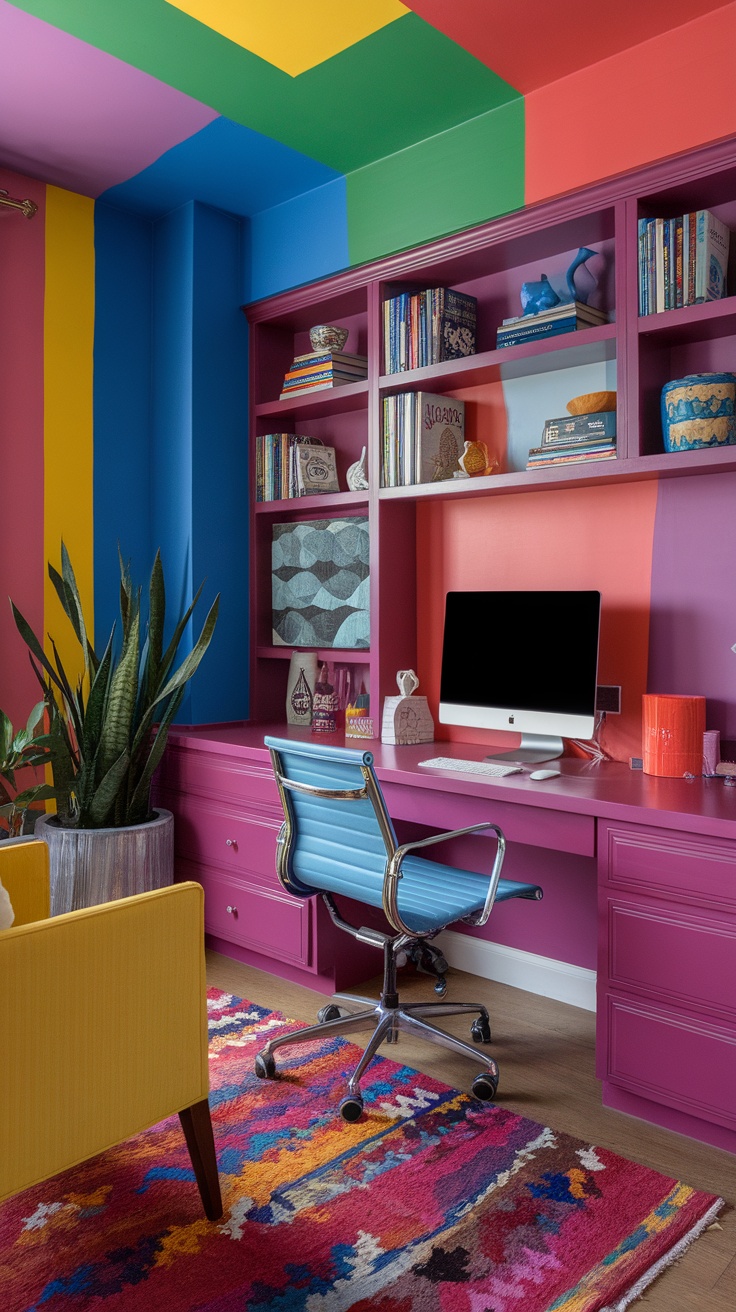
(294, 35)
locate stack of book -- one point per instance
(423, 438)
(682, 261)
(427, 327)
(575, 439)
(317, 370)
(285, 466)
(564, 318)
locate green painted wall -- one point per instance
(453, 180)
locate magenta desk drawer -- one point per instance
(559, 831)
(684, 866)
(226, 778)
(681, 957)
(275, 925)
(672, 1059)
(232, 842)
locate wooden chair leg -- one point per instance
(197, 1126)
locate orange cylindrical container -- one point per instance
(672, 734)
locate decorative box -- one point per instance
(699, 411)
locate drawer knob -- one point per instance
(232, 911)
(232, 842)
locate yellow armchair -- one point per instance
(103, 1024)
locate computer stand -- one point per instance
(533, 748)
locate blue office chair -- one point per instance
(337, 838)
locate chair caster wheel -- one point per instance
(484, 1085)
(351, 1107)
(480, 1030)
(330, 1012)
(264, 1066)
(440, 988)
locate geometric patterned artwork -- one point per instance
(319, 583)
(289, 34)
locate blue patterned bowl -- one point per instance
(698, 411)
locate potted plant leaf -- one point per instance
(106, 736)
(20, 751)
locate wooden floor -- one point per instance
(545, 1051)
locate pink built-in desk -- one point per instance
(639, 876)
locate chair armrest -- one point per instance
(104, 1024)
(393, 872)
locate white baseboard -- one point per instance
(523, 970)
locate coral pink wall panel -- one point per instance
(22, 258)
(659, 98)
(598, 537)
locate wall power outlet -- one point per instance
(608, 698)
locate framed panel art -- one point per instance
(320, 583)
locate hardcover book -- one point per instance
(458, 315)
(573, 427)
(316, 471)
(711, 264)
(440, 437)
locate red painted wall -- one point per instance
(658, 98)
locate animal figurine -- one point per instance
(541, 295)
(536, 296)
(357, 475)
(585, 253)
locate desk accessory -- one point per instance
(325, 705)
(406, 719)
(673, 729)
(300, 687)
(711, 751)
(358, 722)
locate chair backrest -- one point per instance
(24, 872)
(338, 835)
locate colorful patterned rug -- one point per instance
(432, 1202)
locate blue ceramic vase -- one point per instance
(698, 411)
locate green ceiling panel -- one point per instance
(464, 176)
(403, 83)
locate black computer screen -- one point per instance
(535, 651)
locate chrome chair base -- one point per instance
(387, 1022)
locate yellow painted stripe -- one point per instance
(68, 342)
(290, 34)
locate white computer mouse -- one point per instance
(543, 774)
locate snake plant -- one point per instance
(107, 733)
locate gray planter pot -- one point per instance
(88, 866)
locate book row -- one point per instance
(291, 465)
(428, 327)
(682, 261)
(423, 438)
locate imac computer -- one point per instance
(526, 662)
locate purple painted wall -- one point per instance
(693, 597)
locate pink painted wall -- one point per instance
(22, 564)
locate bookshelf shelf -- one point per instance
(588, 346)
(707, 322)
(339, 655)
(303, 507)
(635, 355)
(333, 401)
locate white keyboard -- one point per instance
(471, 767)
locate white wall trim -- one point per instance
(523, 970)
